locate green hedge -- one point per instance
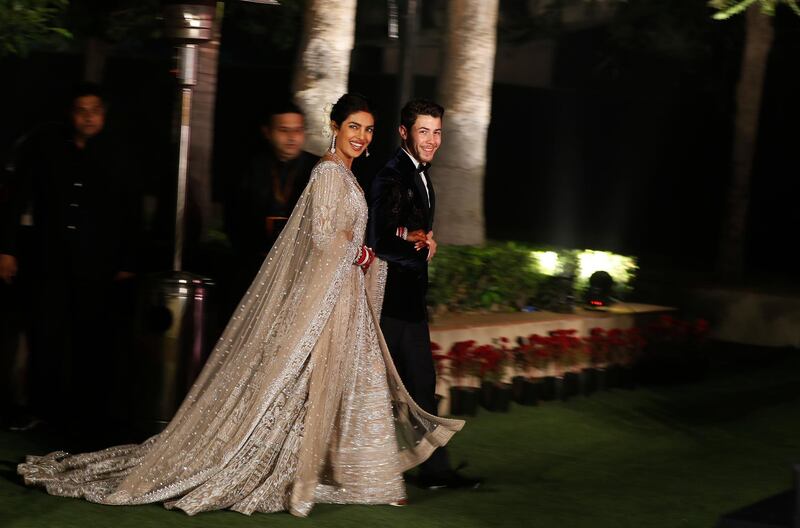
(493, 277)
(505, 276)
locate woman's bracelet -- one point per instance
(365, 257)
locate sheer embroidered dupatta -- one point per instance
(237, 439)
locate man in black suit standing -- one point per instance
(402, 203)
(267, 190)
(77, 205)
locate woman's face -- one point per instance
(355, 134)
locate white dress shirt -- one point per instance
(422, 174)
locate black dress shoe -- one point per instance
(451, 479)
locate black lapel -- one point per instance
(423, 195)
(433, 200)
(410, 171)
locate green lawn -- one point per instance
(654, 457)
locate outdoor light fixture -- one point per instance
(174, 313)
(188, 23)
(621, 268)
(598, 294)
(547, 262)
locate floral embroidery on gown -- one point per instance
(298, 403)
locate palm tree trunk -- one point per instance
(95, 57)
(466, 94)
(408, 34)
(759, 35)
(324, 65)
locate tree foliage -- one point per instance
(264, 34)
(116, 21)
(728, 8)
(26, 23)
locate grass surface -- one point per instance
(654, 457)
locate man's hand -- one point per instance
(416, 236)
(8, 268)
(419, 239)
(431, 245)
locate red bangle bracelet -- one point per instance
(362, 256)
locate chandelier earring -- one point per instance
(366, 152)
(333, 143)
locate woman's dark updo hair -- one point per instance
(349, 104)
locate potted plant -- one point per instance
(568, 351)
(674, 351)
(523, 386)
(631, 353)
(464, 366)
(542, 359)
(495, 394)
(597, 352)
(615, 347)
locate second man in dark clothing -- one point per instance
(268, 190)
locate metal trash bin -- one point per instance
(175, 330)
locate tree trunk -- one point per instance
(409, 27)
(759, 34)
(95, 58)
(201, 140)
(466, 94)
(324, 65)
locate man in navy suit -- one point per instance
(402, 202)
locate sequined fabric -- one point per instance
(299, 402)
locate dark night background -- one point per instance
(626, 148)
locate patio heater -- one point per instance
(174, 316)
(173, 330)
(187, 24)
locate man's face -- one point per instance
(286, 134)
(424, 138)
(88, 116)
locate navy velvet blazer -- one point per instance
(398, 199)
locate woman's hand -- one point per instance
(364, 258)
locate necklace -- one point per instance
(339, 161)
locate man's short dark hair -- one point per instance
(283, 106)
(86, 89)
(418, 107)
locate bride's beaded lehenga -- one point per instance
(299, 401)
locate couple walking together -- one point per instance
(304, 399)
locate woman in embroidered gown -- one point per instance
(299, 401)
